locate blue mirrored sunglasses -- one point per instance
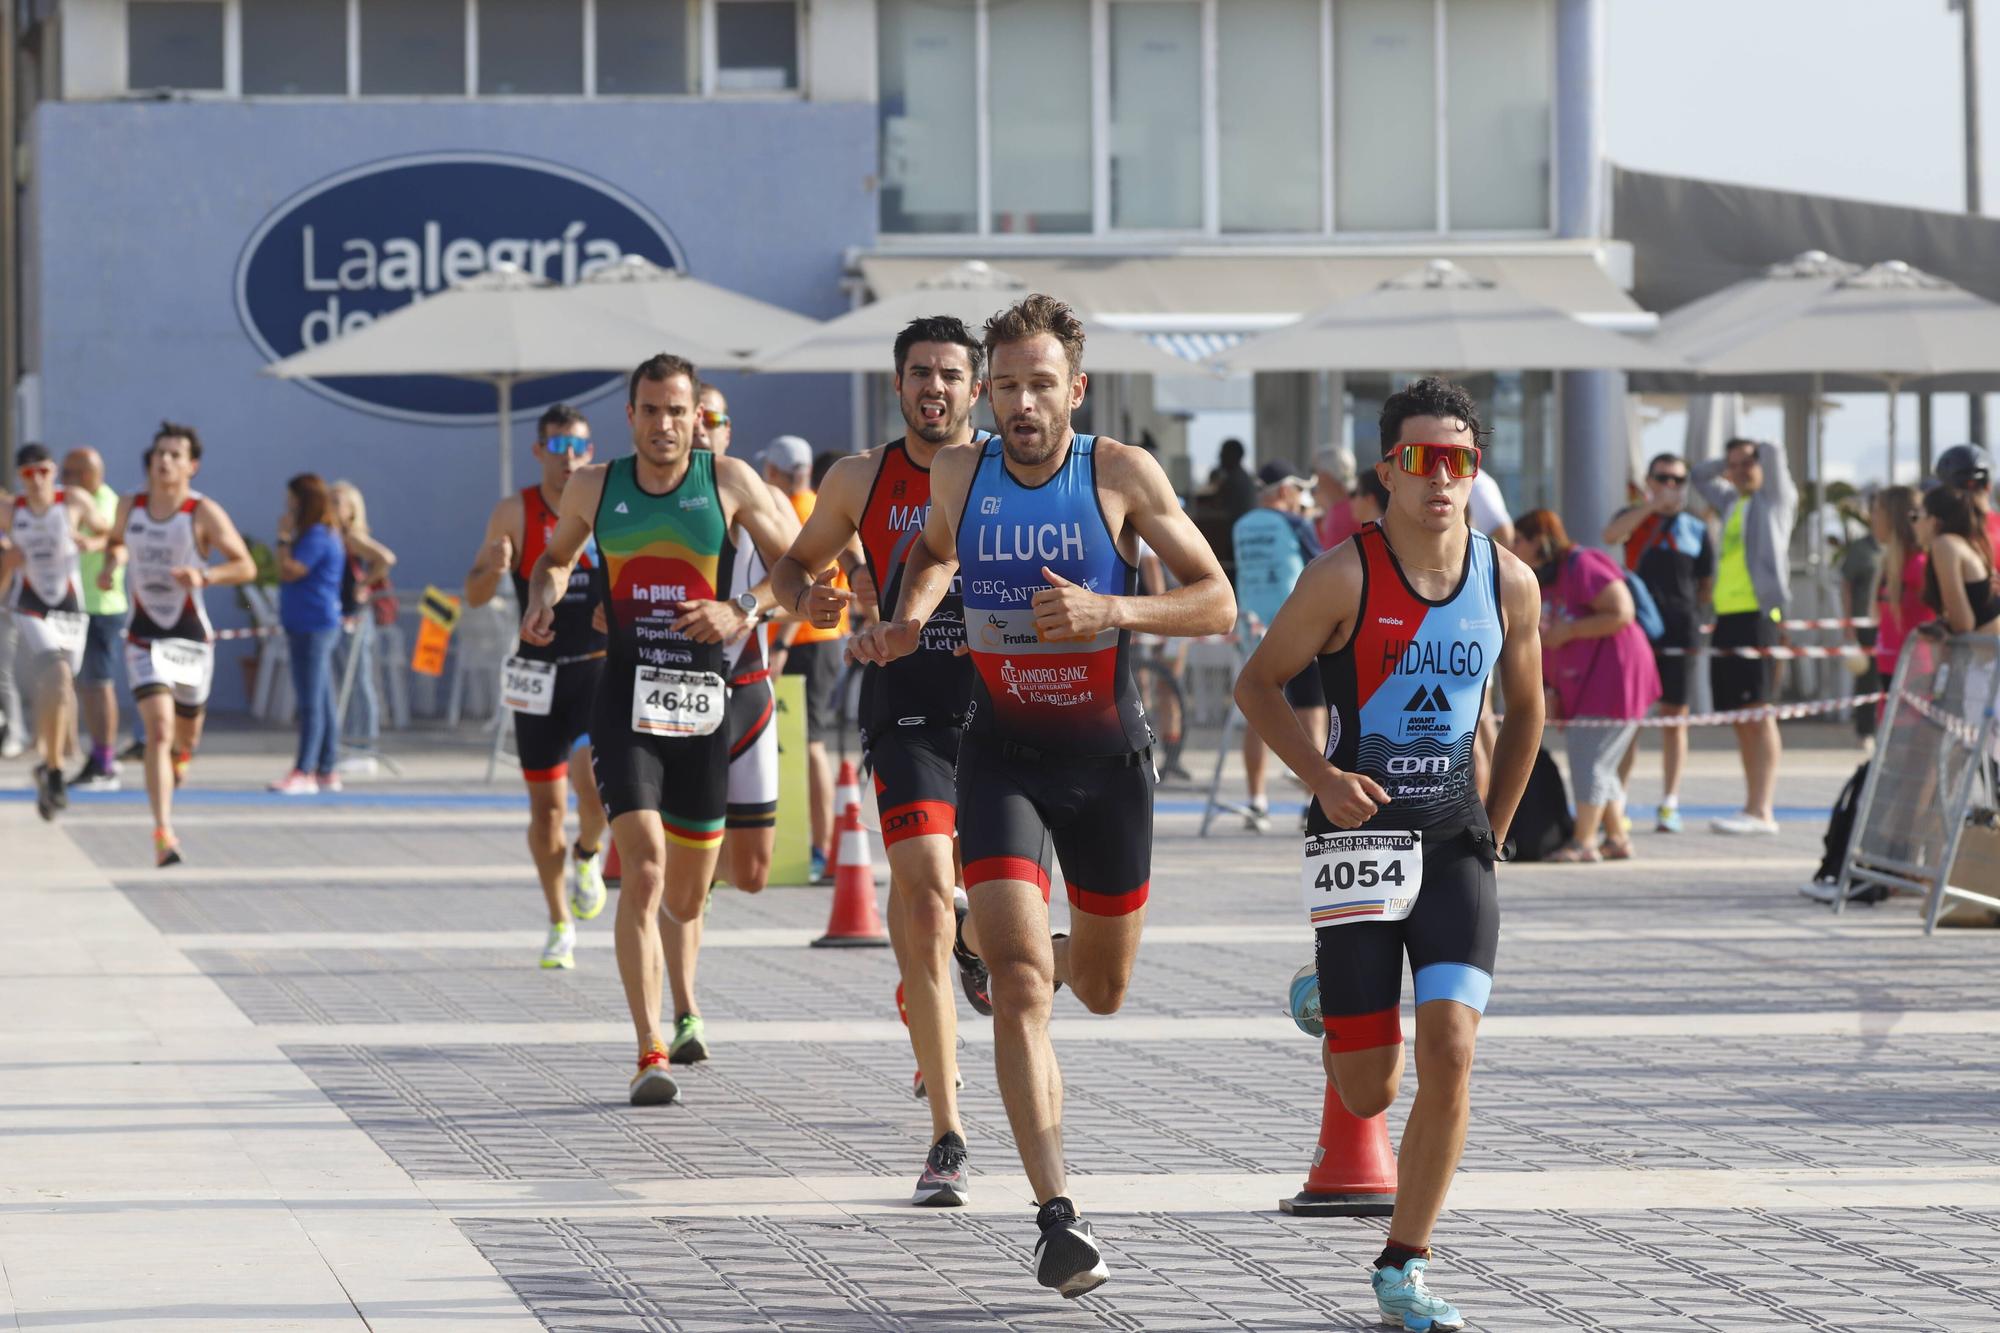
(567, 444)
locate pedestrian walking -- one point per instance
(1599, 668)
(310, 558)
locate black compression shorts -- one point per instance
(1673, 671)
(916, 782)
(684, 778)
(1097, 817)
(1451, 937)
(544, 743)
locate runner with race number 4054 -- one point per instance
(1406, 621)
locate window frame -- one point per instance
(1102, 231)
(703, 68)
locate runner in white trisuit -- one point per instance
(45, 530)
(166, 534)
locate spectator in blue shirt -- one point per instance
(310, 559)
(1273, 544)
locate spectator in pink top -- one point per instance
(1899, 596)
(1335, 470)
(1600, 670)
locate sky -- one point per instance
(1857, 98)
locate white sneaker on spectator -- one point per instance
(1821, 890)
(1744, 825)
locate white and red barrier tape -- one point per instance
(1783, 712)
(1780, 653)
(261, 632)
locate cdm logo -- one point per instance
(906, 819)
(1411, 765)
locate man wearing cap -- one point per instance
(1274, 543)
(799, 649)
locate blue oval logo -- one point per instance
(355, 246)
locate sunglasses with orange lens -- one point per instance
(1422, 460)
(33, 470)
(713, 419)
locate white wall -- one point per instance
(93, 49)
(840, 50)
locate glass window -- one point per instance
(293, 48)
(1156, 115)
(1269, 94)
(174, 45)
(756, 46)
(1385, 113)
(1498, 90)
(413, 47)
(1038, 100)
(530, 47)
(645, 47)
(928, 107)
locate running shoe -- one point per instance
(330, 782)
(586, 888)
(94, 776)
(1745, 826)
(1067, 1257)
(1305, 1001)
(11, 745)
(690, 1046)
(945, 1182)
(653, 1085)
(1405, 1303)
(561, 948)
(973, 978)
(298, 782)
(180, 760)
(49, 796)
(166, 849)
(819, 875)
(1826, 890)
(1668, 820)
(1257, 817)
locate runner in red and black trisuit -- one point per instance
(870, 514)
(551, 688)
(1045, 526)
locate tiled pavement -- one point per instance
(314, 1080)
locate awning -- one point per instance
(1250, 292)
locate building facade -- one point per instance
(207, 185)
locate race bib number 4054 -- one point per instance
(1362, 876)
(676, 703)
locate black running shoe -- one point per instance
(972, 975)
(1067, 1257)
(58, 788)
(946, 1181)
(46, 798)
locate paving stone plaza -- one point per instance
(314, 1079)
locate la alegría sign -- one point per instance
(350, 248)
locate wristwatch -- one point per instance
(746, 602)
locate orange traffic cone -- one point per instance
(613, 872)
(1353, 1168)
(854, 922)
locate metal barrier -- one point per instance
(1933, 771)
(1242, 643)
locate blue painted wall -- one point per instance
(144, 209)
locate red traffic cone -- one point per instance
(854, 922)
(613, 872)
(846, 787)
(1353, 1169)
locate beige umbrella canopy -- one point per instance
(1889, 322)
(502, 327)
(1440, 317)
(862, 339)
(667, 299)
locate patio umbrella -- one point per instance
(1440, 317)
(667, 299)
(501, 327)
(861, 339)
(1889, 322)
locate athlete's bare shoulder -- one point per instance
(847, 483)
(1520, 590)
(1131, 470)
(585, 488)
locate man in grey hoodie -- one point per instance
(1751, 489)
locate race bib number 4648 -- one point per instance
(676, 703)
(1362, 876)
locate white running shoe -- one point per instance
(561, 949)
(296, 783)
(1745, 826)
(1257, 817)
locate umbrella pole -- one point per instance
(505, 384)
(1894, 382)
